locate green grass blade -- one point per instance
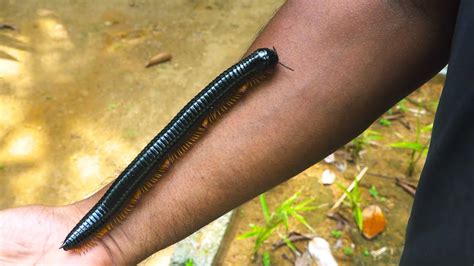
(290, 244)
(248, 235)
(358, 218)
(189, 262)
(266, 259)
(408, 145)
(265, 209)
(302, 220)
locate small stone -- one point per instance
(330, 158)
(341, 166)
(321, 252)
(328, 177)
(373, 221)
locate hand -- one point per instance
(32, 235)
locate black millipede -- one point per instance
(169, 145)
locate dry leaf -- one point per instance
(158, 59)
(373, 220)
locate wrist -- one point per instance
(111, 241)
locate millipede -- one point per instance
(169, 145)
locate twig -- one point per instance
(410, 188)
(393, 116)
(382, 176)
(405, 124)
(349, 189)
(285, 257)
(340, 219)
(8, 27)
(419, 104)
(293, 237)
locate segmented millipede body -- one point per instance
(170, 144)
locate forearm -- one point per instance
(352, 61)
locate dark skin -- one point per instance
(352, 60)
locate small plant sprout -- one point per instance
(359, 143)
(373, 192)
(336, 233)
(189, 262)
(401, 106)
(366, 252)
(273, 220)
(385, 122)
(348, 251)
(353, 200)
(417, 148)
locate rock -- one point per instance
(303, 260)
(320, 250)
(373, 221)
(328, 177)
(341, 166)
(330, 159)
(202, 246)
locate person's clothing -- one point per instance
(441, 227)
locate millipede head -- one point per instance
(268, 56)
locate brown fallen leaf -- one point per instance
(373, 221)
(393, 116)
(158, 59)
(8, 27)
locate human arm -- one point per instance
(352, 61)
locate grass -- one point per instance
(401, 106)
(266, 259)
(354, 202)
(373, 192)
(336, 233)
(365, 253)
(189, 262)
(348, 251)
(416, 147)
(385, 122)
(360, 142)
(290, 208)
